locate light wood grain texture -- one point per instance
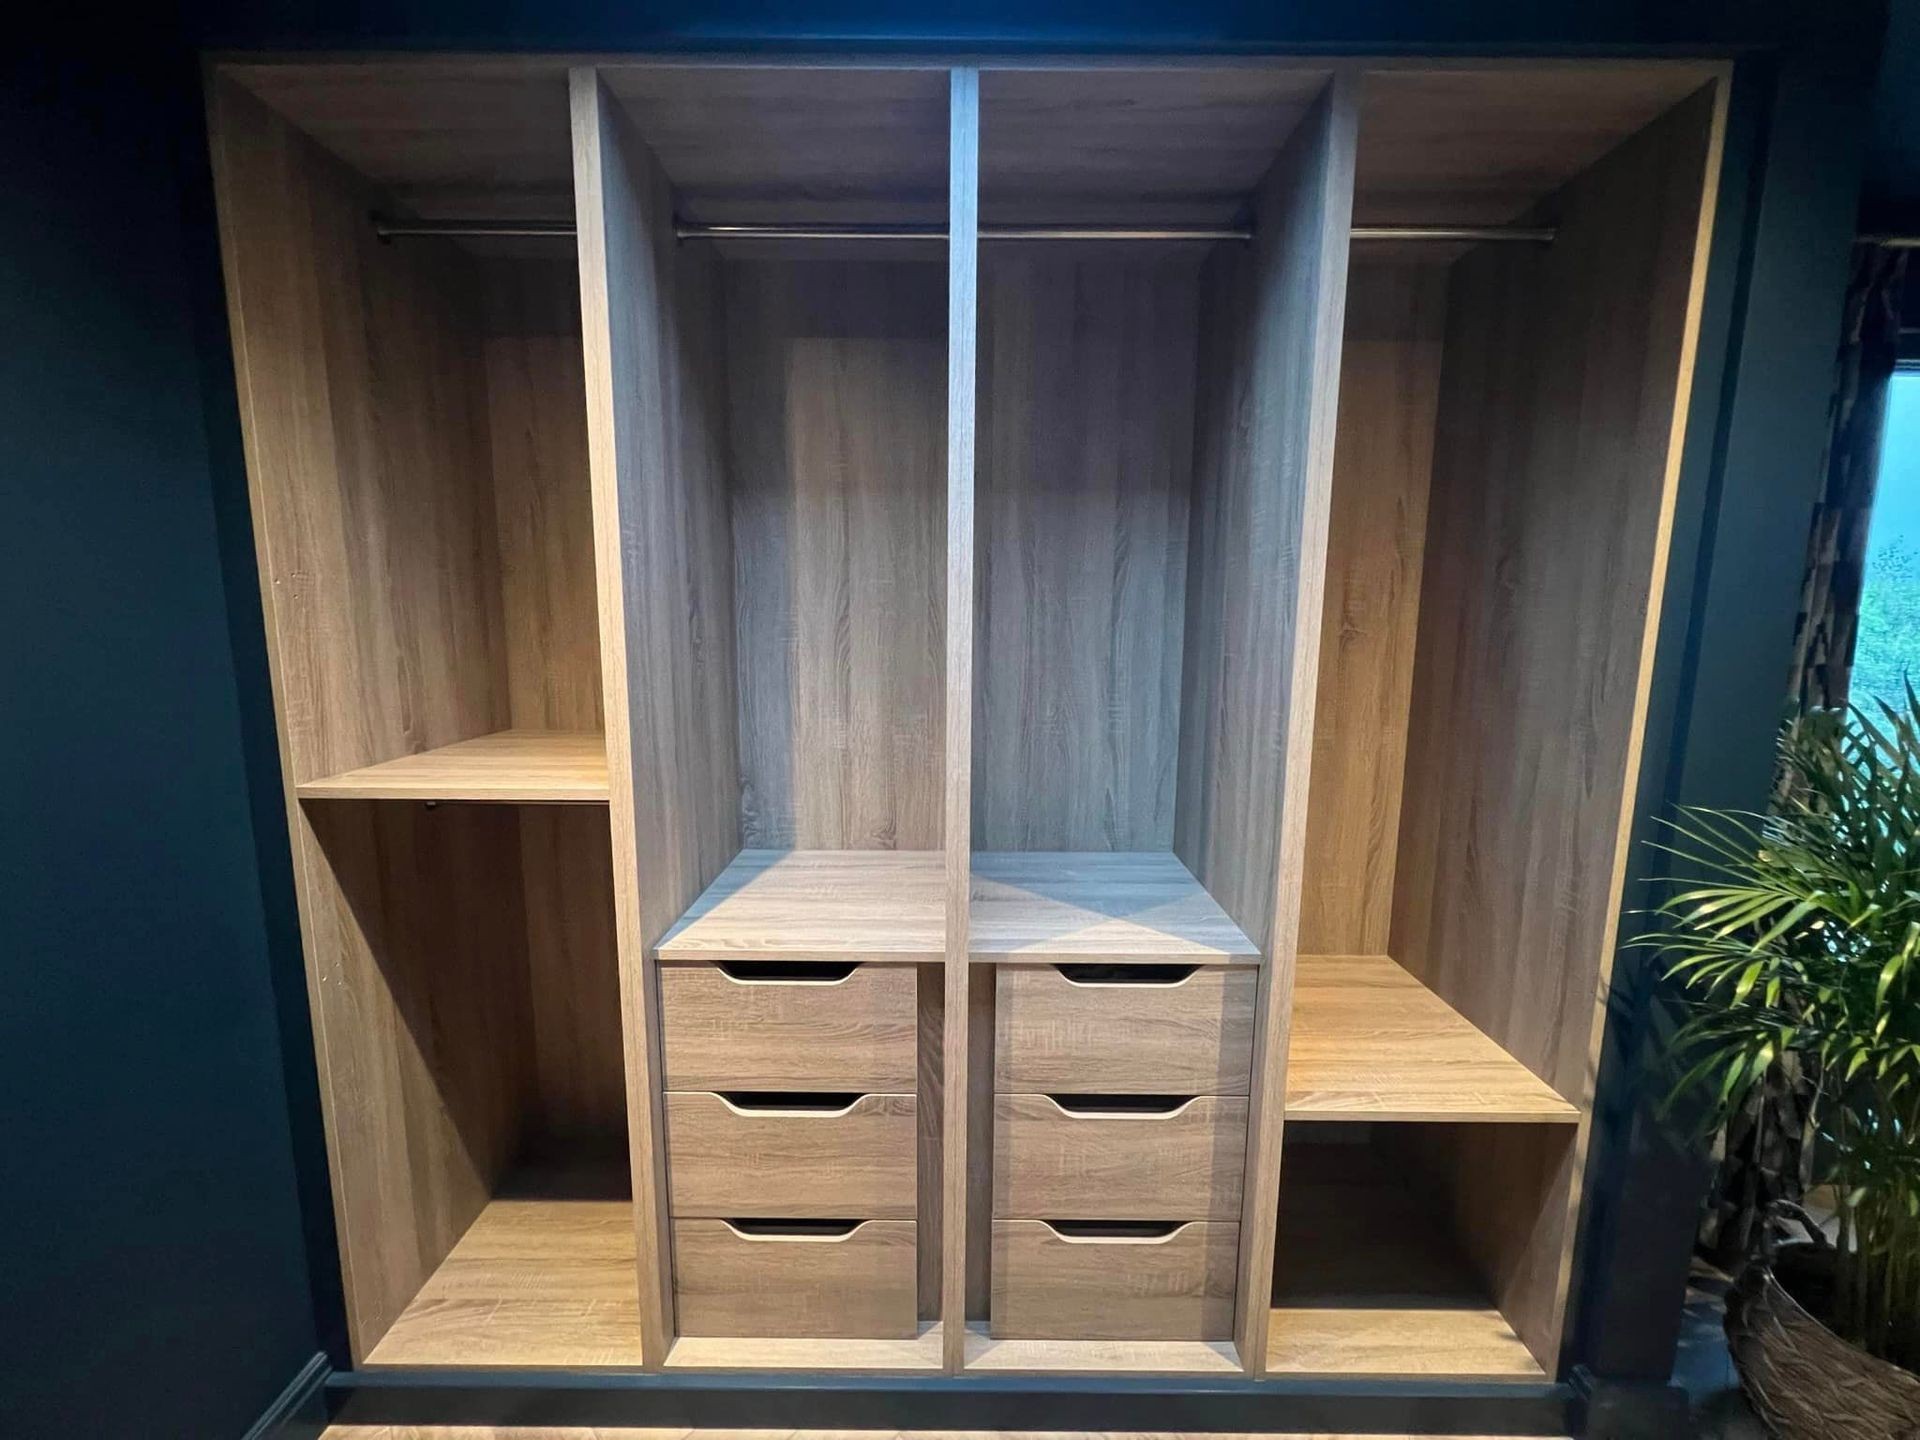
(1270, 344)
(859, 1285)
(1561, 409)
(759, 142)
(543, 1278)
(757, 1032)
(650, 328)
(1481, 142)
(788, 1160)
(1059, 1158)
(837, 435)
(1370, 1042)
(922, 1353)
(1376, 541)
(1178, 143)
(988, 1354)
(961, 1119)
(930, 1117)
(1368, 1279)
(1055, 1033)
(1095, 907)
(980, 1125)
(1086, 454)
(1052, 1286)
(816, 905)
(520, 767)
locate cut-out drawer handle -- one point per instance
(781, 972)
(1121, 1107)
(1163, 976)
(1116, 1232)
(815, 1232)
(789, 1102)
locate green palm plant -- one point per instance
(1797, 946)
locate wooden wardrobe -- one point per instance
(964, 718)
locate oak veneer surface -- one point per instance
(1054, 1159)
(1376, 544)
(509, 766)
(854, 1286)
(854, 1161)
(1370, 1042)
(1562, 401)
(900, 1355)
(1086, 454)
(1095, 906)
(989, 1354)
(816, 905)
(1177, 1286)
(543, 1278)
(838, 426)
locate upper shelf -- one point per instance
(817, 905)
(1370, 1042)
(519, 767)
(1098, 908)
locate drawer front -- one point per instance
(752, 1280)
(1050, 1285)
(1121, 1029)
(1055, 1160)
(728, 1158)
(784, 1027)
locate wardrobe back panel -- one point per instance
(836, 379)
(1376, 544)
(1084, 478)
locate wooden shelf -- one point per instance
(518, 767)
(1368, 1282)
(817, 905)
(1115, 1357)
(1098, 907)
(1370, 1042)
(544, 1277)
(762, 1352)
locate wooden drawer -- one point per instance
(747, 1279)
(789, 1027)
(1064, 1283)
(1065, 1158)
(782, 1157)
(1176, 1030)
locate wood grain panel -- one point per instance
(664, 568)
(858, 1285)
(987, 1354)
(1057, 1159)
(1270, 344)
(1097, 907)
(816, 905)
(1047, 1285)
(1376, 542)
(517, 767)
(728, 1032)
(1086, 454)
(838, 428)
(929, 1118)
(916, 1354)
(1193, 1037)
(1562, 403)
(854, 1161)
(362, 414)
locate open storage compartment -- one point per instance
(416, 435)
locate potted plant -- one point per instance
(1797, 952)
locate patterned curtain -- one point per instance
(1837, 540)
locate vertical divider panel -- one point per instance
(1272, 318)
(649, 317)
(963, 267)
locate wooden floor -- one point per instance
(435, 1432)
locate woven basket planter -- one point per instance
(1805, 1382)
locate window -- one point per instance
(1887, 646)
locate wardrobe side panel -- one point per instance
(361, 410)
(1086, 457)
(1376, 544)
(837, 417)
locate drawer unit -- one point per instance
(1073, 1158)
(852, 1281)
(1167, 1029)
(780, 1026)
(1134, 1282)
(791, 1156)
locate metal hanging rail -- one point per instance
(686, 230)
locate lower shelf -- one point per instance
(1115, 1357)
(707, 1352)
(523, 767)
(1368, 1281)
(543, 1278)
